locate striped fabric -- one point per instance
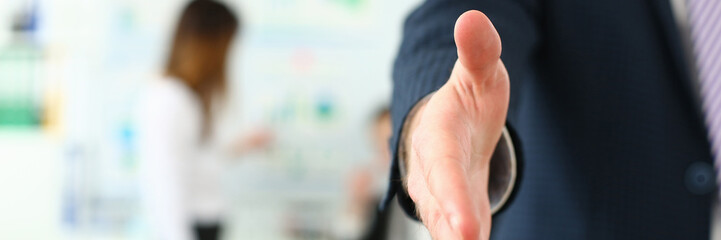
(705, 23)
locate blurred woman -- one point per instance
(366, 184)
(181, 158)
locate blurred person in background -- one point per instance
(363, 218)
(182, 160)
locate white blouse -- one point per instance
(180, 175)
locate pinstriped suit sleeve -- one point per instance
(428, 52)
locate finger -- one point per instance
(449, 188)
(428, 210)
(448, 185)
(478, 43)
(482, 201)
(438, 226)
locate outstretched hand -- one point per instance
(452, 137)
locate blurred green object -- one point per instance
(18, 116)
(352, 4)
(20, 85)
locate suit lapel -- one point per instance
(672, 39)
(672, 35)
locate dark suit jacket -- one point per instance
(603, 110)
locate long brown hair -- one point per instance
(199, 52)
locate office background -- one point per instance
(312, 71)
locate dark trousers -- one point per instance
(378, 229)
(207, 231)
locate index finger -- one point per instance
(448, 183)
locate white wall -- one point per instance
(294, 57)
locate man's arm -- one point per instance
(429, 53)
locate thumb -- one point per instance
(478, 43)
